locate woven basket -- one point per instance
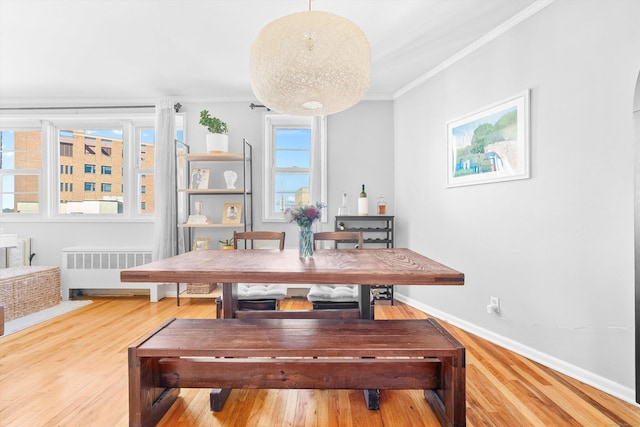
(26, 290)
(200, 288)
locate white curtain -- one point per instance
(165, 231)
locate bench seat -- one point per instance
(296, 354)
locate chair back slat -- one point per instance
(258, 235)
(339, 236)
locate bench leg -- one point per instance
(449, 401)
(372, 397)
(147, 403)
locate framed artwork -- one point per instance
(200, 243)
(199, 179)
(231, 213)
(490, 145)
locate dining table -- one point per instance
(366, 267)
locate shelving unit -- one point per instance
(244, 190)
(377, 230)
(216, 196)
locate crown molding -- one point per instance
(491, 35)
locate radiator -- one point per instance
(99, 268)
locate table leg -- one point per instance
(371, 397)
(364, 301)
(229, 300)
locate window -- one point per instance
(20, 165)
(88, 142)
(66, 149)
(113, 155)
(145, 143)
(295, 163)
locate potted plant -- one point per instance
(217, 139)
(227, 244)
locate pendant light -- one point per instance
(310, 63)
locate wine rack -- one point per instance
(377, 231)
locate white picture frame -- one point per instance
(490, 144)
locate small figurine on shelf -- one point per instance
(230, 179)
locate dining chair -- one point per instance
(335, 296)
(256, 296)
(251, 236)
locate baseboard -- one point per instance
(624, 393)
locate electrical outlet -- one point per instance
(495, 303)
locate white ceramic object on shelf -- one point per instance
(217, 143)
(230, 179)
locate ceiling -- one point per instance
(57, 52)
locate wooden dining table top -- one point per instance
(399, 266)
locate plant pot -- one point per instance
(227, 248)
(217, 143)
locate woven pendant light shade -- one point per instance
(310, 64)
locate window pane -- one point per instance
(147, 204)
(146, 153)
(20, 149)
(20, 163)
(293, 138)
(20, 193)
(92, 150)
(293, 148)
(291, 190)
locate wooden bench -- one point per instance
(296, 354)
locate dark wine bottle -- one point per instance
(363, 203)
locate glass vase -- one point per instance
(306, 242)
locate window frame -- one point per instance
(140, 171)
(49, 176)
(317, 164)
(24, 125)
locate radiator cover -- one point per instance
(85, 267)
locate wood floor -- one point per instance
(72, 371)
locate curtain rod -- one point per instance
(176, 106)
(252, 106)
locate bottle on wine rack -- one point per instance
(363, 203)
(382, 206)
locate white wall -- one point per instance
(360, 150)
(557, 249)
